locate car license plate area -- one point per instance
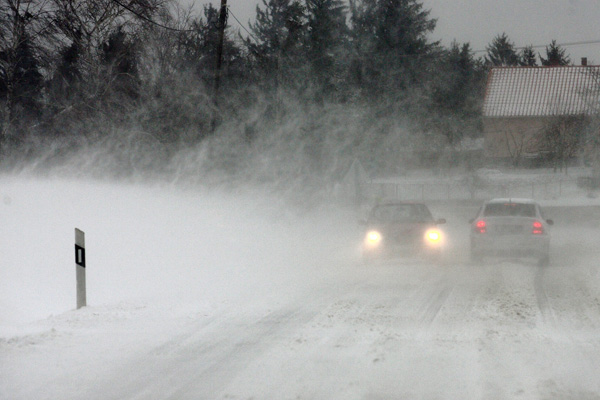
(509, 229)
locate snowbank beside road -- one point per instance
(150, 241)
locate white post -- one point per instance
(80, 267)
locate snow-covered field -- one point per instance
(206, 295)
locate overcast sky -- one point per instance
(526, 22)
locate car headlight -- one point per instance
(373, 238)
(433, 237)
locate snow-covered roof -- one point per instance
(542, 91)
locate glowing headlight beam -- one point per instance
(373, 238)
(433, 236)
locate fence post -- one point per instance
(560, 187)
(80, 267)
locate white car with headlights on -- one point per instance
(402, 229)
(511, 228)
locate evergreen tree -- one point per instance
(391, 44)
(197, 49)
(327, 43)
(455, 99)
(555, 55)
(501, 52)
(277, 40)
(528, 58)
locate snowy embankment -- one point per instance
(149, 241)
(203, 295)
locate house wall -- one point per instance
(505, 138)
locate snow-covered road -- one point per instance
(272, 305)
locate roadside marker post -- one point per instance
(80, 267)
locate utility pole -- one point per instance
(221, 26)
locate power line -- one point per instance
(541, 46)
(580, 43)
(242, 25)
(137, 14)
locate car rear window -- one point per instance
(509, 210)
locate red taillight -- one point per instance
(537, 228)
(480, 226)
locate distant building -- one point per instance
(519, 101)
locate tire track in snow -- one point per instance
(433, 309)
(202, 363)
(236, 354)
(437, 299)
(541, 296)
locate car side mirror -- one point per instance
(440, 221)
(550, 222)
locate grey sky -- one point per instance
(526, 22)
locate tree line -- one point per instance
(307, 80)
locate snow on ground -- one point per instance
(204, 295)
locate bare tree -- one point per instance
(562, 136)
(85, 30)
(162, 54)
(22, 23)
(516, 145)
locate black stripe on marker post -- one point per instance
(80, 256)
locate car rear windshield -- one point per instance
(401, 213)
(509, 210)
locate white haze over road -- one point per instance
(196, 294)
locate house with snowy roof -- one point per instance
(520, 101)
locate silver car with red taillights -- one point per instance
(511, 228)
